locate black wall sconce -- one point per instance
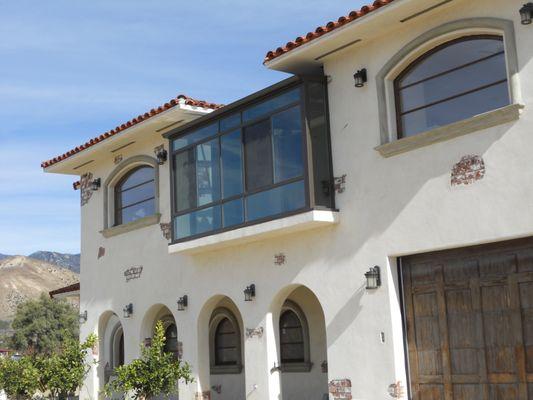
(83, 317)
(128, 310)
(360, 78)
(161, 156)
(96, 183)
(183, 302)
(526, 13)
(249, 292)
(373, 278)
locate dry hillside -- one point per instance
(24, 278)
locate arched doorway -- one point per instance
(302, 346)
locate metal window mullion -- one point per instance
(462, 94)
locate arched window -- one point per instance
(171, 340)
(294, 339)
(291, 338)
(135, 195)
(225, 343)
(452, 82)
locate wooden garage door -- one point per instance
(469, 321)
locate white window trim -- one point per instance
(423, 44)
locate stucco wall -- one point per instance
(391, 207)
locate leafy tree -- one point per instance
(62, 373)
(18, 378)
(40, 326)
(156, 373)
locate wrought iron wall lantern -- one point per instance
(249, 292)
(526, 13)
(83, 317)
(128, 310)
(183, 302)
(95, 184)
(360, 78)
(161, 156)
(373, 278)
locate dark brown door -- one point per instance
(469, 319)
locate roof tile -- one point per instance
(172, 103)
(322, 30)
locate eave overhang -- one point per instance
(311, 56)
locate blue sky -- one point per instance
(70, 70)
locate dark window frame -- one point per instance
(397, 81)
(238, 107)
(118, 191)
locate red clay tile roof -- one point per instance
(154, 111)
(66, 289)
(322, 30)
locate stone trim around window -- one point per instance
(423, 44)
(479, 122)
(109, 195)
(131, 226)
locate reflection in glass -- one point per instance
(231, 154)
(287, 141)
(270, 105)
(193, 137)
(233, 212)
(258, 155)
(207, 172)
(197, 222)
(279, 200)
(185, 180)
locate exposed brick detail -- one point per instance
(85, 188)
(203, 395)
(165, 228)
(101, 252)
(280, 259)
(396, 390)
(470, 169)
(133, 273)
(340, 389)
(117, 159)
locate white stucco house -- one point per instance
(403, 141)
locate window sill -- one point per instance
(131, 226)
(297, 367)
(226, 369)
(482, 121)
(282, 226)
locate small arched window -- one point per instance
(291, 338)
(171, 340)
(225, 354)
(135, 195)
(454, 81)
(226, 342)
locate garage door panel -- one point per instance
(498, 265)
(470, 322)
(467, 392)
(465, 361)
(431, 392)
(503, 392)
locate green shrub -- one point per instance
(155, 373)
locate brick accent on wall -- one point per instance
(85, 188)
(203, 395)
(340, 389)
(470, 169)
